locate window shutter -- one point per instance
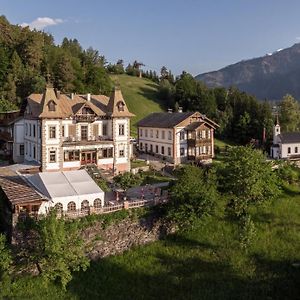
(96, 130)
(72, 130)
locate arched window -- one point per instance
(71, 206)
(97, 203)
(51, 105)
(85, 205)
(59, 207)
(120, 106)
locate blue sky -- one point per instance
(190, 35)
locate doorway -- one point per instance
(88, 157)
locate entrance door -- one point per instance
(88, 157)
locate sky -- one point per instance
(190, 35)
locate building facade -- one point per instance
(285, 145)
(177, 137)
(65, 132)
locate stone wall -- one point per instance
(120, 237)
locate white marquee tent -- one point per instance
(65, 187)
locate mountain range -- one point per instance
(268, 77)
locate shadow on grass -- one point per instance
(157, 273)
(151, 92)
(291, 190)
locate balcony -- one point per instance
(194, 142)
(85, 118)
(91, 140)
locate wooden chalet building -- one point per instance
(177, 137)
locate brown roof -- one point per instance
(116, 101)
(18, 191)
(193, 126)
(67, 105)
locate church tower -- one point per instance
(276, 131)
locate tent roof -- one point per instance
(65, 184)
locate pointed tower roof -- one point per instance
(276, 120)
(116, 106)
(49, 100)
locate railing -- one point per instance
(79, 213)
(85, 118)
(90, 139)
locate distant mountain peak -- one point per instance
(270, 76)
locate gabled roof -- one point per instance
(170, 120)
(116, 99)
(164, 119)
(289, 137)
(67, 105)
(194, 126)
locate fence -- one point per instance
(112, 208)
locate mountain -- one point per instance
(141, 96)
(271, 76)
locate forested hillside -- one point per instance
(28, 58)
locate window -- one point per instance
(151, 148)
(26, 148)
(296, 149)
(156, 148)
(84, 132)
(71, 155)
(33, 130)
(157, 134)
(204, 149)
(52, 132)
(121, 153)
(40, 131)
(169, 135)
(51, 105)
(289, 150)
(97, 203)
(34, 151)
(141, 146)
(52, 156)
(121, 129)
(120, 106)
(29, 129)
(146, 147)
(141, 132)
(169, 151)
(151, 133)
(21, 149)
(63, 131)
(146, 132)
(208, 134)
(203, 134)
(163, 134)
(208, 150)
(104, 129)
(162, 150)
(107, 152)
(72, 206)
(26, 129)
(181, 135)
(85, 205)
(58, 207)
(181, 151)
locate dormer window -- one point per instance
(120, 106)
(51, 105)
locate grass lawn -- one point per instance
(138, 163)
(203, 263)
(151, 177)
(140, 95)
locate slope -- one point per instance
(140, 95)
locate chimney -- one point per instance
(88, 97)
(57, 94)
(169, 110)
(180, 109)
(72, 96)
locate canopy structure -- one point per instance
(67, 186)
